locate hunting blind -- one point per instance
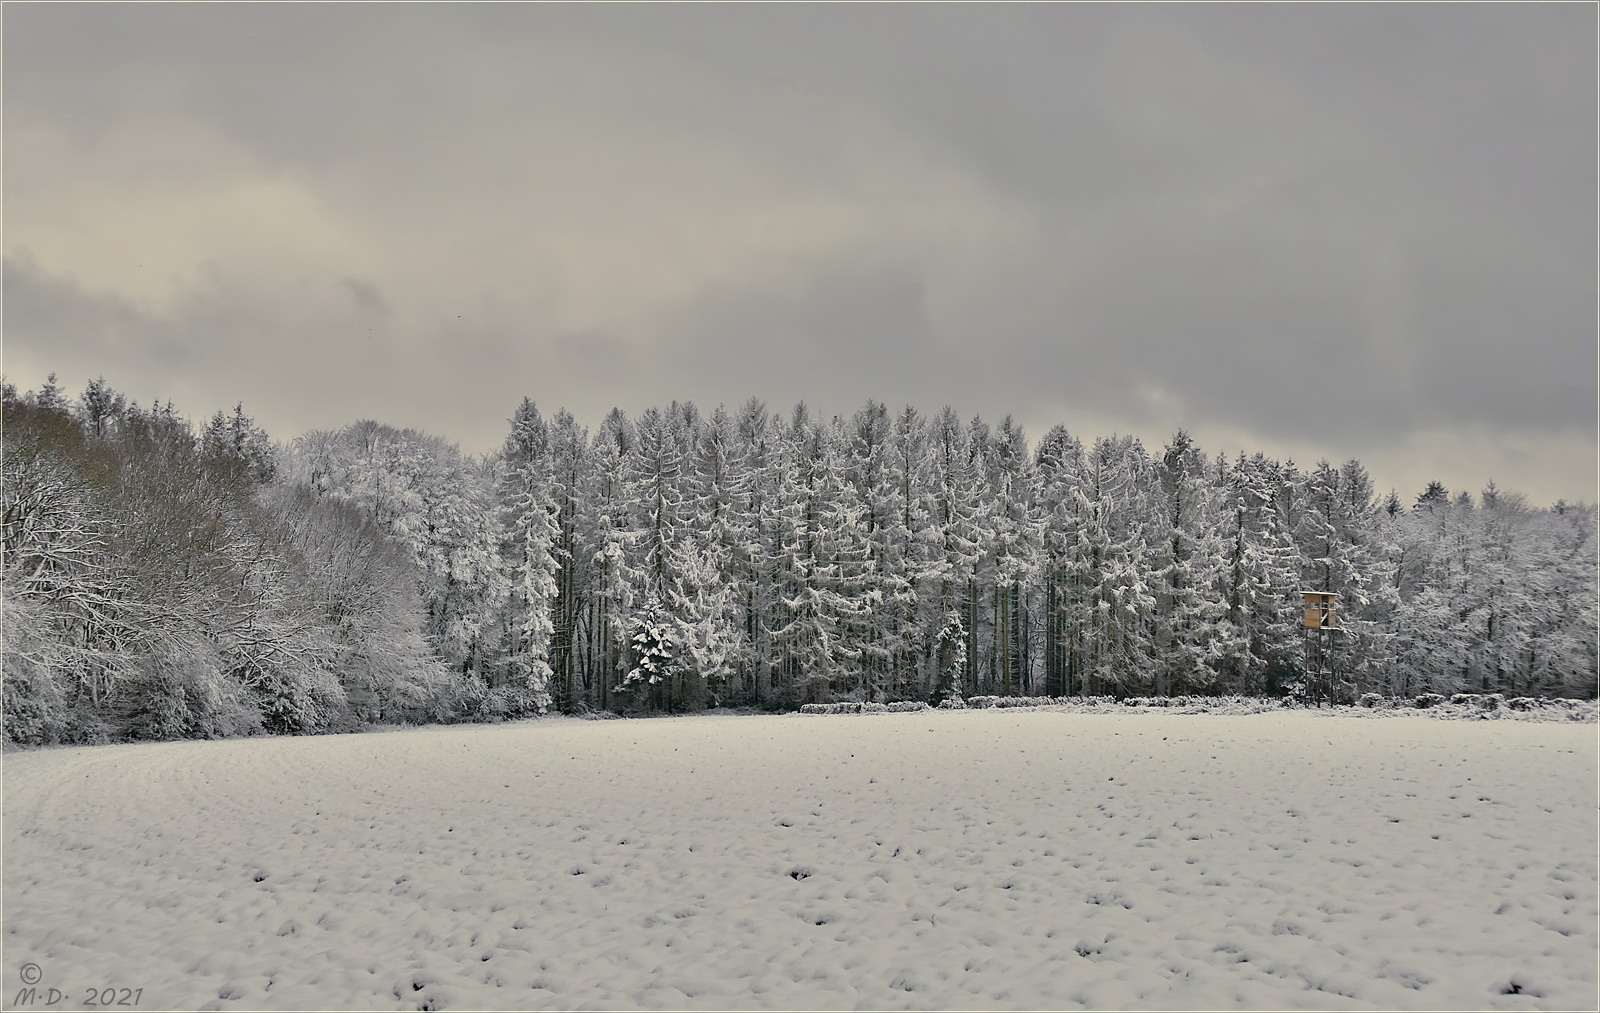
(1321, 661)
(1322, 612)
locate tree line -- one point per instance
(163, 579)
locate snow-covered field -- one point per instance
(966, 859)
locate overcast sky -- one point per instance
(1318, 231)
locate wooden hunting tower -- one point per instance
(1322, 610)
(1321, 623)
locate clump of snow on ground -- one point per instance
(971, 859)
(853, 707)
(1461, 706)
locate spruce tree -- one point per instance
(531, 537)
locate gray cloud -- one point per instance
(366, 295)
(834, 341)
(1242, 219)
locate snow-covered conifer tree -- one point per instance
(1017, 531)
(757, 553)
(711, 557)
(235, 439)
(1262, 582)
(955, 523)
(887, 632)
(608, 538)
(910, 470)
(530, 545)
(1189, 607)
(1115, 503)
(569, 449)
(656, 500)
(1059, 466)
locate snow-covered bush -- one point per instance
(53, 680)
(179, 691)
(1372, 700)
(860, 707)
(844, 707)
(297, 701)
(34, 706)
(1016, 701)
(1427, 700)
(1188, 704)
(505, 703)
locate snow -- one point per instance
(979, 859)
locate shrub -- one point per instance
(34, 698)
(35, 708)
(159, 708)
(1016, 701)
(507, 703)
(178, 690)
(297, 701)
(859, 707)
(85, 726)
